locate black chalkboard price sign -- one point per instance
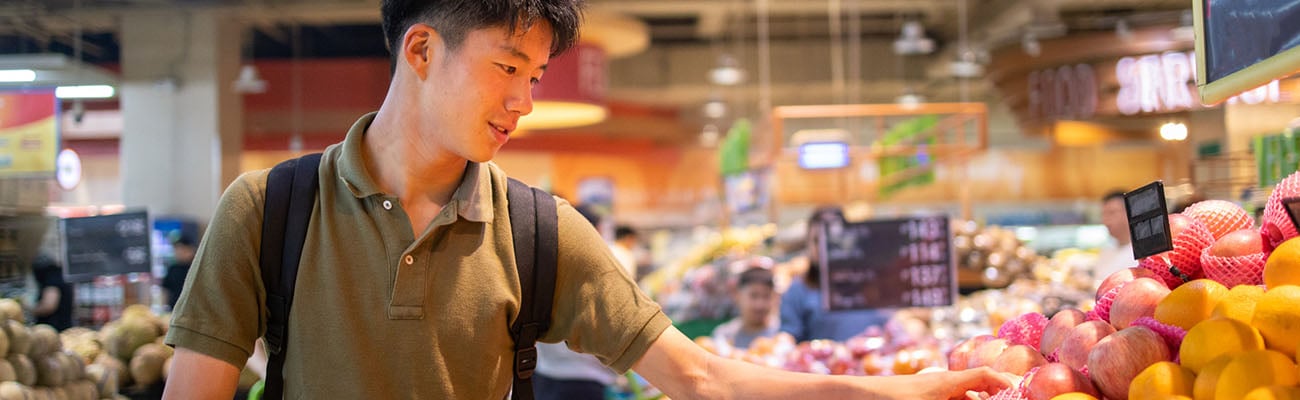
(888, 263)
(105, 245)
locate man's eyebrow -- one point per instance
(519, 54)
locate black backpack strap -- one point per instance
(534, 223)
(290, 194)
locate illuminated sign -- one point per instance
(824, 155)
(1160, 83)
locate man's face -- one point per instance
(755, 303)
(1115, 218)
(473, 97)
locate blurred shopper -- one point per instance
(182, 255)
(54, 305)
(625, 248)
(564, 374)
(1118, 253)
(755, 297)
(802, 312)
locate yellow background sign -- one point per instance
(29, 138)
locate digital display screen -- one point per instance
(1241, 33)
(824, 155)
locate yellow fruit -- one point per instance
(1216, 337)
(1239, 304)
(1275, 392)
(1190, 303)
(1074, 396)
(1277, 316)
(1254, 369)
(1162, 379)
(1203, 388)
(1283, 265)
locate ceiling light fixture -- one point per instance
(249, 82)
(728, 72)
(17, 75)
(1173, 132)
(84, 92)
(912, 40)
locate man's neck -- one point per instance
(405, 164)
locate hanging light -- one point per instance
(728, 72)
(1173, 132)
(912, 40)
(249, 81)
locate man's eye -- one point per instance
(536, 81)
(509, 69)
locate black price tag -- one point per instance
(106, 245)
(1292, 205)
(887, 263)
(1148, 220)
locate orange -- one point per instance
(1203, 388)
(1275, 392)
(1162, 379)
(1239, 304)
(1255, 369)
(1216, 337)
(1283, 265)
(1277, 316)
(1190, 303)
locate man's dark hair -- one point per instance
(623, 231)
(755, 275)
(454, 19)
(1113, 195)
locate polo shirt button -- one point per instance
(410, 260)
(388, 205)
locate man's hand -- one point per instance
(951, 385)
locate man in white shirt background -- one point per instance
(1118, 254)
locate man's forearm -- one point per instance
(742, 380)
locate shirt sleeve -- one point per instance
(222, 309)
(792, 314)
(598, 309)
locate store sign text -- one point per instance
(1066, 92)
(1165, 83)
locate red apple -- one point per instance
(960, 354)
(1121, 277)
(1178, 222)
(1120, 357)
(986, 353)
(1056, 379)
(1137, 299)
(1239, 243)
(1058, 328)
(1018, 360)
(1075, 348)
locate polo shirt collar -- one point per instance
(472, 199)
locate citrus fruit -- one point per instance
(1215, 337)
(1254, 369)
(1074, 396)
(1277, 316)
(1283, 265)
(1190, 303)
(1275, 392)
(1239, 304)
(1207, 380)
(1162, 379)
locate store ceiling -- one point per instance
(687, 37)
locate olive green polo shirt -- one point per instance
(380, 314)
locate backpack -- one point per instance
(290, 194)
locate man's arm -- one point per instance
(49, 303)
(197, 376)
(683, 370)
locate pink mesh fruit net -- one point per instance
(1221, 217)
(1233, 271)
(1277, 227)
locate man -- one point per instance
(54, 307)
(405, 289)
(755, 297)
(1119, 254)
(182, 256)
(624, 249)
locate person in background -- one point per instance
(54, 307)
(182, 256)
(563, 374)
(624, 248)
(755, 297)
(1116, 255)
(802, 313)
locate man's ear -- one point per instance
(418, 47)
